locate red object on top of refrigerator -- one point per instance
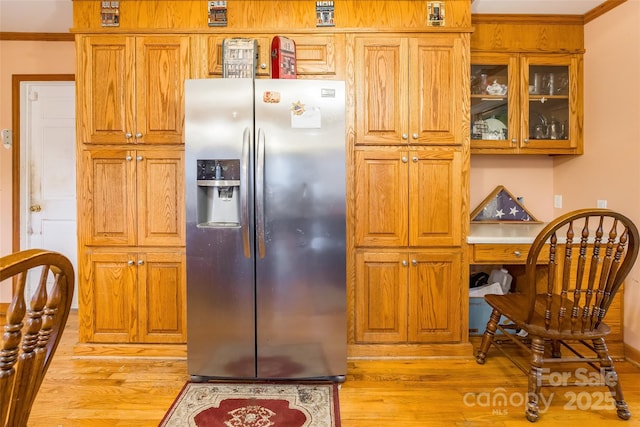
(283, 58)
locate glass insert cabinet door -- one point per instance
(548, 91)
(491, 95)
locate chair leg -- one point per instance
(535, 378)
(611, 378)
(555, 349)
(487, 337)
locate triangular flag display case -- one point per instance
(501, 206)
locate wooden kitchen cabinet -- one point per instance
(131, 88)
(408, 90)
(132, 197)
(317, 56)
(407, 297)
(408, 197)
(526, 103)
(133, 297)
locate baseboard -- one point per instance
(632, 355)
(141, 351)
(413, 351)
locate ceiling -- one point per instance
(56, 16)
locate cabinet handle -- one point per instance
(404, 263)
(514, 140)
(526, 140)
(139, 158)
(130, 262)
(140, 262)
(414, 262)
(128, 158)
(405, 136)
(415, 159)
(517, 253)
(415, 136)
(138, 135)
(404, 159)
(128, 135)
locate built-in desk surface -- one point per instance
(500, 233)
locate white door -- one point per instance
(48, 169)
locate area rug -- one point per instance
(255, 405)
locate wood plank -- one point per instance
(436, 391)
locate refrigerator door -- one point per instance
(300, 229)
(220, 232)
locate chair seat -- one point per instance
(515, 307)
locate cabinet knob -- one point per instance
(140, 262)
(526, 140)
(128, 158)
(139, 158)
(517, 253)
(414, 262)
(405, 136)
(415, 159)
(514, 140)
(138, 135)
(35, 208)
(415, 136)
(130, 262)
(404, 159)
(404, 263)
(128, 135)
(263, 66)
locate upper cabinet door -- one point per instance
(495, 122)
(436, 79)
(162, 66)
(132, 89)
(381, 90)
(552, 103)
(105, 90)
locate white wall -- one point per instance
(610, 167)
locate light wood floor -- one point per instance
(113, 392)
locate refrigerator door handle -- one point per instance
(260, 193)
(244, 193)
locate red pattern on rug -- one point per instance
(251, 413)
(263, 404)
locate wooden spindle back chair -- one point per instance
(575, 266)
(33, 327)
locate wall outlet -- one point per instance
(557, 201)
(601, 204)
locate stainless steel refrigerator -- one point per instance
(265, 196)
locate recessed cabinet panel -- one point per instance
(433, 300)
(162, 66)
(381, 297)
(382, 194)
(160, 196)
(382, 90)
(435, 197)
(107, 301)
(106, 99)
(162, 298)
(108, 198)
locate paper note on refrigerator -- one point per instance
(306, 118)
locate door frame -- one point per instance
(16, 80)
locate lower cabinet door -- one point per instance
(133, 297)
(408, 297)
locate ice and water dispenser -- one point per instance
(218, 183)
